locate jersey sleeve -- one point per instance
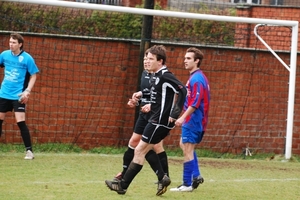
(197, 91)
(181, 95)
(32, 68)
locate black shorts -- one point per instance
(141, 122)
(10, 105)
(153, 134)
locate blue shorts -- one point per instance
(189, 136)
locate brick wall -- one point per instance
(278, 38)
(81, 94)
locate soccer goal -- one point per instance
(251, 65)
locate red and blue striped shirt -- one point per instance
(198, 96)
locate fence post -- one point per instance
(146, 36)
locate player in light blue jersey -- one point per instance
(19, 78)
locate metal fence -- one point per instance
(186, 5)
(189, 5)
(105, 2)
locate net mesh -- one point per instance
(88, 64)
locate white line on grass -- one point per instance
(248, 180)
(178, 181)
(257, 180)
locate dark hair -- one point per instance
(146, 52)
(160, 52)
(197, 54)
(19, 37)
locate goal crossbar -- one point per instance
(142, 11)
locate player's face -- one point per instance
(153, 64)
(189, 62)
(14, 45)
(146, 64)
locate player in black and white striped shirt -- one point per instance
(143, 118)
(167, 99)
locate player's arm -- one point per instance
(31, 82)
(24, 96)
(181, 92)
(134, 101)
(179, 103)
(187, 113)
(194, 102)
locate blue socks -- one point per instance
(190, 170)
(196, 168)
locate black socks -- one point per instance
(25, 135)
(131, 172)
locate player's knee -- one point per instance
(133, 143)
(158, 148)
(134, 140)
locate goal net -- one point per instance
(88, 56)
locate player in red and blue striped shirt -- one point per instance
(194, 119)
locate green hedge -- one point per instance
(57, 20)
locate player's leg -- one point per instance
(197, 178)
(188, 165)
(128, 154)
(158, 153)
(153, 161)
(155, 134)
(19, 110)
(134, 168)
(162, 156)
(187, 144)
(136, 165)
(2, 116)
(5, 106)
(133, 142)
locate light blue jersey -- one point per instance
(17, 71)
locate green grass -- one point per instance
(62, 172)
(69, 148)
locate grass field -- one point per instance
(81, 176)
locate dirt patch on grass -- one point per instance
(236, 164)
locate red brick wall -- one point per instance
(131, 3)
(278, 38)
(81, 94)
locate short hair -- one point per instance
(146, 52)
(19, 37)
(159, 51)
(197, 54)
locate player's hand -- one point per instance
(132, 103)
(146, 108)
(24, 96)
(137, 95)
(179, 121)
(171, 120)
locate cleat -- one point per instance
(162, 185)
(182, 188)
(115, 186)
(29, 155)
(118, 177)
(196, 181)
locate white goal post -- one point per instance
(294, 41)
